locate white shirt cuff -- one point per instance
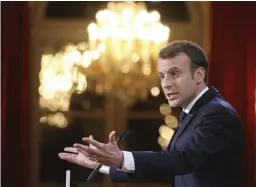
(129, 165)
(104, 169)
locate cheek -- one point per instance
(162, 83)
(185, 85)
(182, 83)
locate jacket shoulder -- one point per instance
(219, 105)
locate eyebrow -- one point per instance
(173, 68)
(170, 69)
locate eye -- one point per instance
(161, 76)
(174, 73)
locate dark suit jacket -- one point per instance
(207, 150)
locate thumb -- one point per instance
(112, 138)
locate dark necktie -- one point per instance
(183, 114)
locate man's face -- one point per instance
(177, 82)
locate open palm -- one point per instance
(78, 157)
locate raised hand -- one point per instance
(107, 154)
(79, 156)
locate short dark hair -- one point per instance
(192, 50)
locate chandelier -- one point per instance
(122, 51)
(119, 58)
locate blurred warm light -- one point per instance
(59, 78)
(163, 142)
(155, 91)
(120, 58)
(165, 137)
(166, 131)
(171, 121)
(127, 38)
(57, 119)
(165, 109)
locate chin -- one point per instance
(174, 103)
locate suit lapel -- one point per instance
(211, 93)
(181, 128)
(170, 145)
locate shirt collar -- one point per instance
(191, 104)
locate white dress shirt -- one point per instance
(129, 165)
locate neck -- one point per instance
(200, 88)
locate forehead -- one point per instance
(180, 61)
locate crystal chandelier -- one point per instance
(119, 58)
(123, 50)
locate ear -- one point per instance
(199, 75)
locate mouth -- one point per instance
(172, 96)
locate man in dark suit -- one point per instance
(206, 149)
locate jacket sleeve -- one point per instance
(121, 176)
(213, 136)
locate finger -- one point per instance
(82, 152)
(91, 146)
(88, 149)
(68, 157)
(80, 147)
(112, 137)
(91, 137)
(62, 154)
(93, 142)
(71, 149)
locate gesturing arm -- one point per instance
(211, 137)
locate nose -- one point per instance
(167, 83)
